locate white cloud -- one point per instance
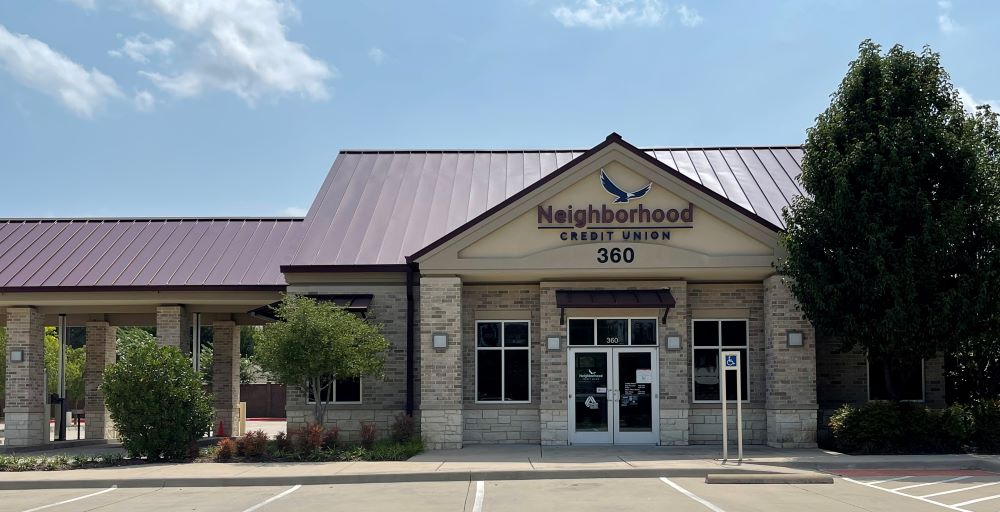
(144, 101)
(970, 103)
(36, 65)
(376, 54)
(608, 14)
(946, 23)
(89, 5)
(139, 47)
(294, 211)
(242, 48)
(689, 17)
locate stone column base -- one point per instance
(441, 429)
(25, 427)
(98, 425)
(674, 427)
(555, 427)
(791, 428)
(229, 418)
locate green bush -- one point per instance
(156, 400)
(880, 427)
(984, 433)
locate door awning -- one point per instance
(633, 299)
(355, 303)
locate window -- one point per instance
(711, 337)
(337, 392)
(612, 331)
(503, 361)
(906, 380)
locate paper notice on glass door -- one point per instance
(644, 376)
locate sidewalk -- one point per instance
(511, 462)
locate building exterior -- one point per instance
(553, 297)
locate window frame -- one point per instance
(628, 330)
(333, 393)
(923, 382)
(503, 360)
(719, 348)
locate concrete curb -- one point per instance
(779, 478)
(439, 476)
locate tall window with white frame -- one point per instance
(337, 391)
(711, 337)
(503, 361)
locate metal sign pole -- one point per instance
(739, 407)
(725, 417)
(730, 361)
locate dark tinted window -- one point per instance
(612, 331)
(488, 375)
(515, 334)
(581, 332)
(644, 332)
(516, 375)
(706, 333)
(903, 382)
(488, 334)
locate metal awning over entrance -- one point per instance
(355, 303)
(632, 299)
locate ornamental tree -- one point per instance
(896, 249)
(314, 342)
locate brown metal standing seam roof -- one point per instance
(378, 207)
(145, 253)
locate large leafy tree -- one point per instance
(897, 247)
(313, 342)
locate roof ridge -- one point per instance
(146, 219)
(556, 150)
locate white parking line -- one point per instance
(977, 500)
(71, 500)
(887, 480)
(691, 495)
(957, 478)
(272, 498)
(960, 489)
(477, 506)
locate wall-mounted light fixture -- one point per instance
(673, 342)
(553, 343)
(794, 338)
(16, 356)
(439, 340)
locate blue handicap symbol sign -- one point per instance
(730, 361)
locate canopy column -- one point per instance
(102, 341)
(27, 421)
(173, 327)
(226, 374)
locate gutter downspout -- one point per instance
(410, 342)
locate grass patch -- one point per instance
(10, 463)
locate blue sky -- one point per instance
(229, 107)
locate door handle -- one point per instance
(616, 395)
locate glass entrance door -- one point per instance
(614, 396)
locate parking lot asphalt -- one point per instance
(890, 491)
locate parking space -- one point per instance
(972, 491)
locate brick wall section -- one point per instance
(383, 399)
(553, 412)
(101, 349)
(441, 369)
(675, 371)
(173, 327)
(791, 371)
(500, 423)
(25, 412)
(226, 374)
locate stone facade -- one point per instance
(706, 424)
(25, 412)
(226, 375)
(383, 400)
(501, 425)
(441, 368)
(101, 350)
(173, 327)
(791, 371)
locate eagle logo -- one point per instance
(622, 196)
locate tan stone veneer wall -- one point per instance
(441, 368)
(491, 423)
(101, 350)
(791, 371)
(736, 301)
(382, 400)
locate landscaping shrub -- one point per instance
(309, 439)
(404, 428)
(984, 433)
(226, 450)
(252, 444)
(368, 434)
(331, 437)
(282, 442)
(156, 400)
(881, 427)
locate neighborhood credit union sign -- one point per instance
(626, 219)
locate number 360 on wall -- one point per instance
(615, 255)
